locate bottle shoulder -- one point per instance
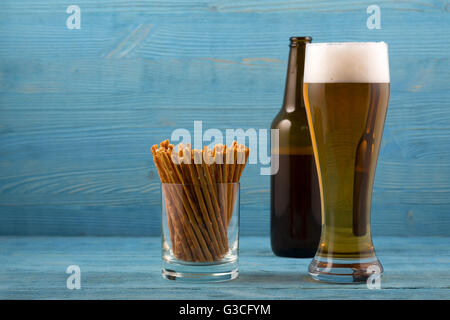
(293, 128)
(295, 119)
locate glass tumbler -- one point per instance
(200, 231)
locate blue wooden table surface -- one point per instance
(130, 268)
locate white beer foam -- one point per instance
(357, 62)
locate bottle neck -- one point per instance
(293, 93)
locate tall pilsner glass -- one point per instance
(346, 91)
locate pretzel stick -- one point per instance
(210, 179)
(242, 166)
(224, 164)
(225, 180)
(231, 163)
(242, 154)
(208, 169)
(221, 187)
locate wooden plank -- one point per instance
(142, 219)
(80, 108)
(129, 268)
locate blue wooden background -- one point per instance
(79, 109)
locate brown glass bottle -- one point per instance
(295, 194)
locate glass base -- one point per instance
(200, 272)
(344, 270)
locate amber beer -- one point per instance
(346, 91)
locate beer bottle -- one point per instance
(295, 196)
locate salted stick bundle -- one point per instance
(200, 190)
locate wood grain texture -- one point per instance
(130, 268)
(79, 109)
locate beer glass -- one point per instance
(346, 92)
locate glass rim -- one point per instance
(343, 43)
